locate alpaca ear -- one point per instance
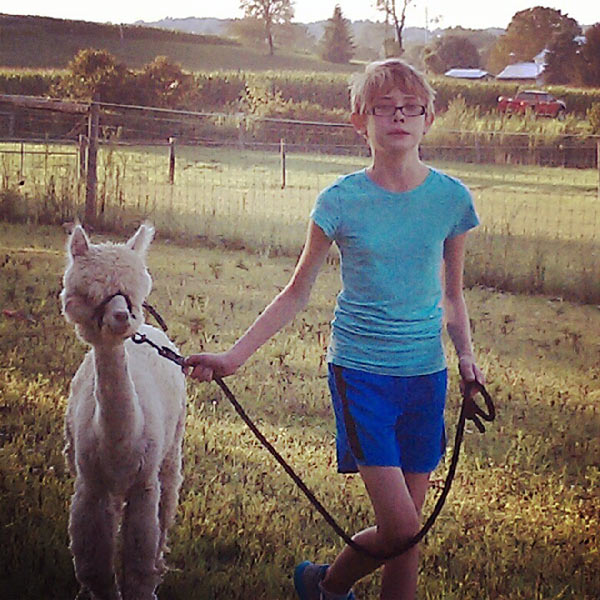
(141, 239)
(78, 243)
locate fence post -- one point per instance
(598, 165)
(171, 160)
(282, 152)
(92, 157)
(241, 130)
(81, 150)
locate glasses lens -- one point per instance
(389, 110)
(413, 110)
(384, 110)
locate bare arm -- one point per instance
(455, 308)
(292, 299)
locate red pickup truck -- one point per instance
(540, 103)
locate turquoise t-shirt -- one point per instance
(388, 315)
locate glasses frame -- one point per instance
(388, 108)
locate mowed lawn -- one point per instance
(521, 521)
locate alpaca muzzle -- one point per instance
(100, 310)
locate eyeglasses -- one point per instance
(389, 110)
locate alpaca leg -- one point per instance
(170, 482)
(92, 529)
(141, 534)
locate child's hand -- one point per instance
(205, 367)
(469, 371)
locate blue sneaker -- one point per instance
(307, 577)
(307, 581)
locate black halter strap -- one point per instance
(99, 310)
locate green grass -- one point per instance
(539, 229)
(521, 521)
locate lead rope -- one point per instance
(469, 410)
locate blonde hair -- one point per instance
(382, 76)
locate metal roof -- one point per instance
(467, 73)
(526, 70)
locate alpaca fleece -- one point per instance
(124, 424)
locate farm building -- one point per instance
(478, 74)
(525, 71)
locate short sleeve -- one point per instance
(467, 217)
(326, 212)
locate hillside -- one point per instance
(45, 43)
(198, 44)
(412, 35)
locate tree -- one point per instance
(589, 66)
(336, 45)
(451, 51)
(96, 75)
(390, 8)
(295, 35)
(528, 33)
(562, 60)
(270, 12)
(250, 31)
(164, 84)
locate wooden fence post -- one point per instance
(282, 152)
(171, 160)
(92, 157)
(598, 165)
(81, 150)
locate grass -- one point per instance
(521, 521)
(539, 228)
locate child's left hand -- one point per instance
(469, 371)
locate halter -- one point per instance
(98, 314)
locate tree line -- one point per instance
(572, 56)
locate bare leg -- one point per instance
(399, 578)
(397, 501)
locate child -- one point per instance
(400, 227)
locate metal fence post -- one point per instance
(241, 120)
(92, 157)
(282, 152)
(171, 160)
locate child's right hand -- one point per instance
(205, 367)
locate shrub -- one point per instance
(593, 116)
(11, 203)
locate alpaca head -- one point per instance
(105, 285)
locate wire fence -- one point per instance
(245, 188)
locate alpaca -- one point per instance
(124, 423)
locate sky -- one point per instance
(443, 13)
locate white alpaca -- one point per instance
(124, 423)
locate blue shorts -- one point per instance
(390, 421)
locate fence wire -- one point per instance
(235, 184)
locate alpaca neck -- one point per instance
(118, 417)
